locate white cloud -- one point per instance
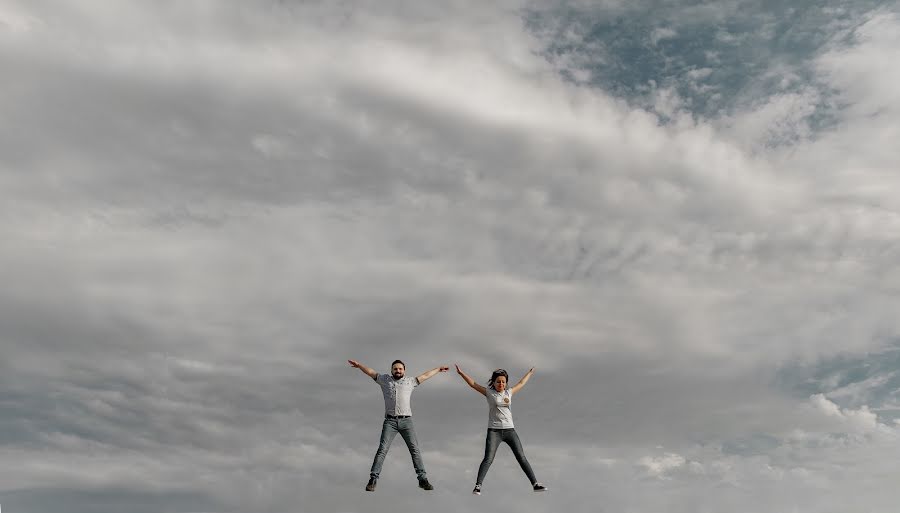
(861, 420)
(661, 33)
(659, 466)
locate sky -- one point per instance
(684, 215)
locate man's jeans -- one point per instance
(494, 437)
(389, 430)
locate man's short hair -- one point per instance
(396, 362)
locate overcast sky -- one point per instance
(684, 214)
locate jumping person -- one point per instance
(500, 424)
(397, 390)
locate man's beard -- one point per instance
(397, 375)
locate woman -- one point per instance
(500, 423)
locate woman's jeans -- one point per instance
(389, 430)
(494, 437)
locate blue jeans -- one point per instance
(494, 437)
(389, 430)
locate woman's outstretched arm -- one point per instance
(478, 388)
(521, 382)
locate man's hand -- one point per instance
(368, 372)
(427, 374)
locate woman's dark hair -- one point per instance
(396, 362)
(497, 373)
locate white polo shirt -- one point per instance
(499, 415)
(397, 393)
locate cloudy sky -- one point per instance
(684, 214)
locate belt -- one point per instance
(396, 416)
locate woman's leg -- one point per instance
(490, 449)
(512, 439)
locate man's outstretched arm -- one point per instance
(427, 374)
(367, 370)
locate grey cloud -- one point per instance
(87, 501)
(209, 209)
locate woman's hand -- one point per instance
(471, 382)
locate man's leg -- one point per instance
(409, 436)
(388, 432)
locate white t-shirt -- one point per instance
(499, 416)
(397, 393)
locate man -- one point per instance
(397, 390)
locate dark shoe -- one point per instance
(538, 487)
(370, 487)
(477, 490)
(425, 485)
